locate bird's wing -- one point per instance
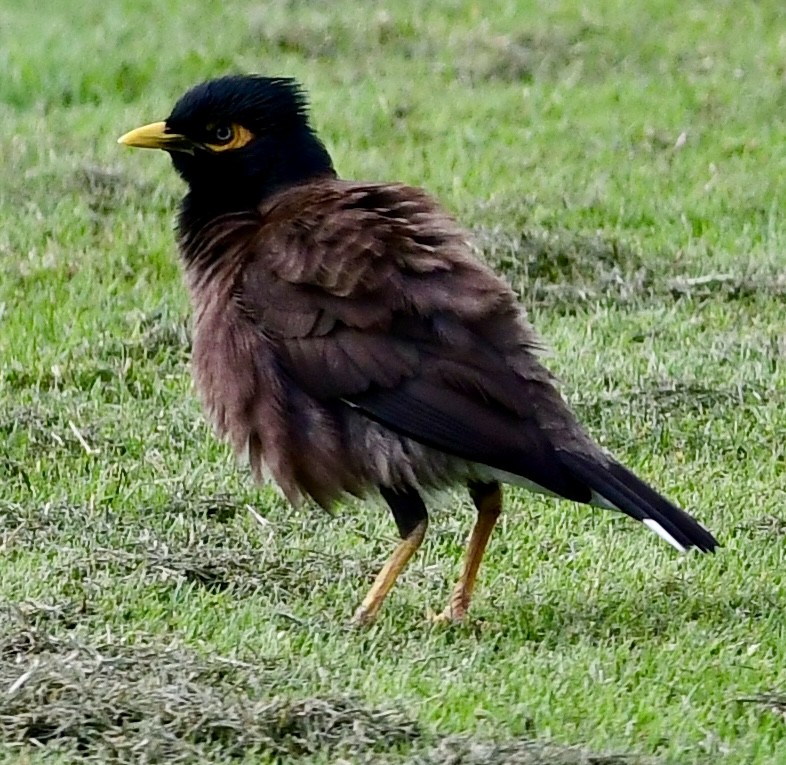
(374, 299)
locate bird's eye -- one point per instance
(223, 133)
(226, 136)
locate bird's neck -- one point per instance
(306, 160)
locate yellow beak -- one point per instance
(155, 136)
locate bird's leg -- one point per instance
(488, 502)
(411, 518)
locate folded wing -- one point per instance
(375, 301)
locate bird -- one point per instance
(348, 341)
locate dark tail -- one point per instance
(629, 494)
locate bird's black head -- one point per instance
(236, 139)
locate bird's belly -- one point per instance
(320, 449)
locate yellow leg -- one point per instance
(386, 578)
(488, 501)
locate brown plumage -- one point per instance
(348, 341)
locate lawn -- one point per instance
(624, 164)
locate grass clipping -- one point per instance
(142, 703)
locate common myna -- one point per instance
(347, 340)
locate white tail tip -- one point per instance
(663, 534)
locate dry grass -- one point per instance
(145, 702)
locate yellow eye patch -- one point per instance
(227, 137)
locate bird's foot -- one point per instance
(363, 617)
(454, 613)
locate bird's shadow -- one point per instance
(655, 614)
(659, 613)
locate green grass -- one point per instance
(624, 164)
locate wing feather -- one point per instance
(374, 301)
